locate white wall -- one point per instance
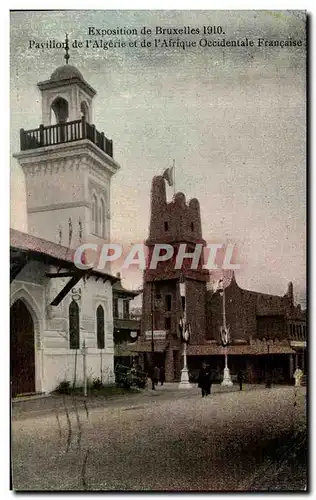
(55, 361)
(60, 366)
(46, 225)
(18, 213)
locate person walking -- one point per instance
(204, 380)
(268, 380)
(298, 375)
(155, 377)
(152, 377)
(162, 376)
(240, 378)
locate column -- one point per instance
(184, 381)
(148, 362)
(141, 361)
(291, 367)
(227, 381)
(250, 371)
(169, 365)
(177, 360)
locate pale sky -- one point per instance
(234, 120)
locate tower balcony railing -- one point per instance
(63, 133)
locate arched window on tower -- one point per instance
(100, 327)
(60, 110)
(94, 214)
(102, 218)
(74, 326)
(59, 116)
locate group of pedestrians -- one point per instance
(205, 380)
(157, 375)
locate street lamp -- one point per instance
(225, 338)
(185, 337)
(185, 331)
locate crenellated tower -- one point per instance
(169, 293)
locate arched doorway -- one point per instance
(22, 349)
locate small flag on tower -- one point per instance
(168, 175)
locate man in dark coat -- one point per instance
(154, 377)
(269, 380)
(162, 377)
(204, 380)
(240, 378)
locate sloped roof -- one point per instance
(48, 250)
(263, 299)
(118, 287)
(28, 242)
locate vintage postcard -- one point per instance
(158, 315)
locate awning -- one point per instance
(235, 350)
(126, 324)
(146, 347)
(211, 349)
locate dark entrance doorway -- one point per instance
(22, 350)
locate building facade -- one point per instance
(126, 325)
(56, 308)
(267, 332)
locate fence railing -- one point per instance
(62, 133)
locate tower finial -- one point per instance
(66, 56)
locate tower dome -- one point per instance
(65, 73)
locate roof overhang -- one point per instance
(126, 324)
(58, 84)
(143, 346)
(235, 350)
(25, 247)
(81, 148)
(18, 259)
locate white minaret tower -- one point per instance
(68, 164)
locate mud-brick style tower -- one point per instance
(68, 164)
(170, 293)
